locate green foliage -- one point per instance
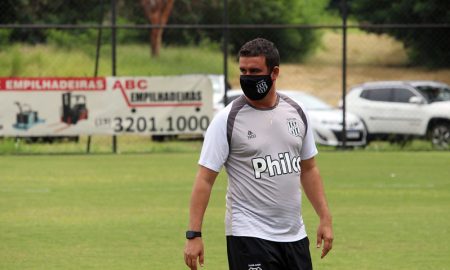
(294, 44)
(4, 37)
(68, 12)
(100, 144)
(69, 39)
(8, 146)
(48, 11)
(16, 67)
(428, 47)
(87, 38)
(52, 11)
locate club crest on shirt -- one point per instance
(251, 135)
(293, 127)
(261, 87)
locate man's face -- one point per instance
(254, 65)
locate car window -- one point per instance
(433, 94)
(402, 95)
(383, 94)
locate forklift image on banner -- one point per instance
(73, 108)
(26, 118)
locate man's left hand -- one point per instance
(325, 235)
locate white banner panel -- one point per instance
(105, 105)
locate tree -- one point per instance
(425, 46)
(158, 13)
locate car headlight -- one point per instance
(338, 124)
(355, 125)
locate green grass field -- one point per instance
(23, 60)
(391, 211)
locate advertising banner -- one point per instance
(163, 105)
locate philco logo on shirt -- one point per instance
(283, 165)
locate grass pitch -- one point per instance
(391, 211)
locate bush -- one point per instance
(4, 37)
(87, 38)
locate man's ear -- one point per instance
(275, 72)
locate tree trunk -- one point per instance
(158, 13)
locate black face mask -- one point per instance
(256, 87)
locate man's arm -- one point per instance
(204, 182)
(313, 187)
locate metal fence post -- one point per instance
(344, 70)
(225, 49)
(97, 59)
(113, 57)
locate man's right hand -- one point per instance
(192, 251)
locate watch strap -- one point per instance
(193, 234)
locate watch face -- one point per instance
(189, 235)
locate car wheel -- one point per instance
(440, 136)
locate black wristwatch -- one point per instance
(193, 234)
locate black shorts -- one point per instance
(249, 253)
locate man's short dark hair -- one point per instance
(261, 47)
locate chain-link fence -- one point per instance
(322, 53)
(73, 38)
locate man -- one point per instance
(265, 141)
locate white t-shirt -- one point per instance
(261, 150)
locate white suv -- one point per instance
(403, 109)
